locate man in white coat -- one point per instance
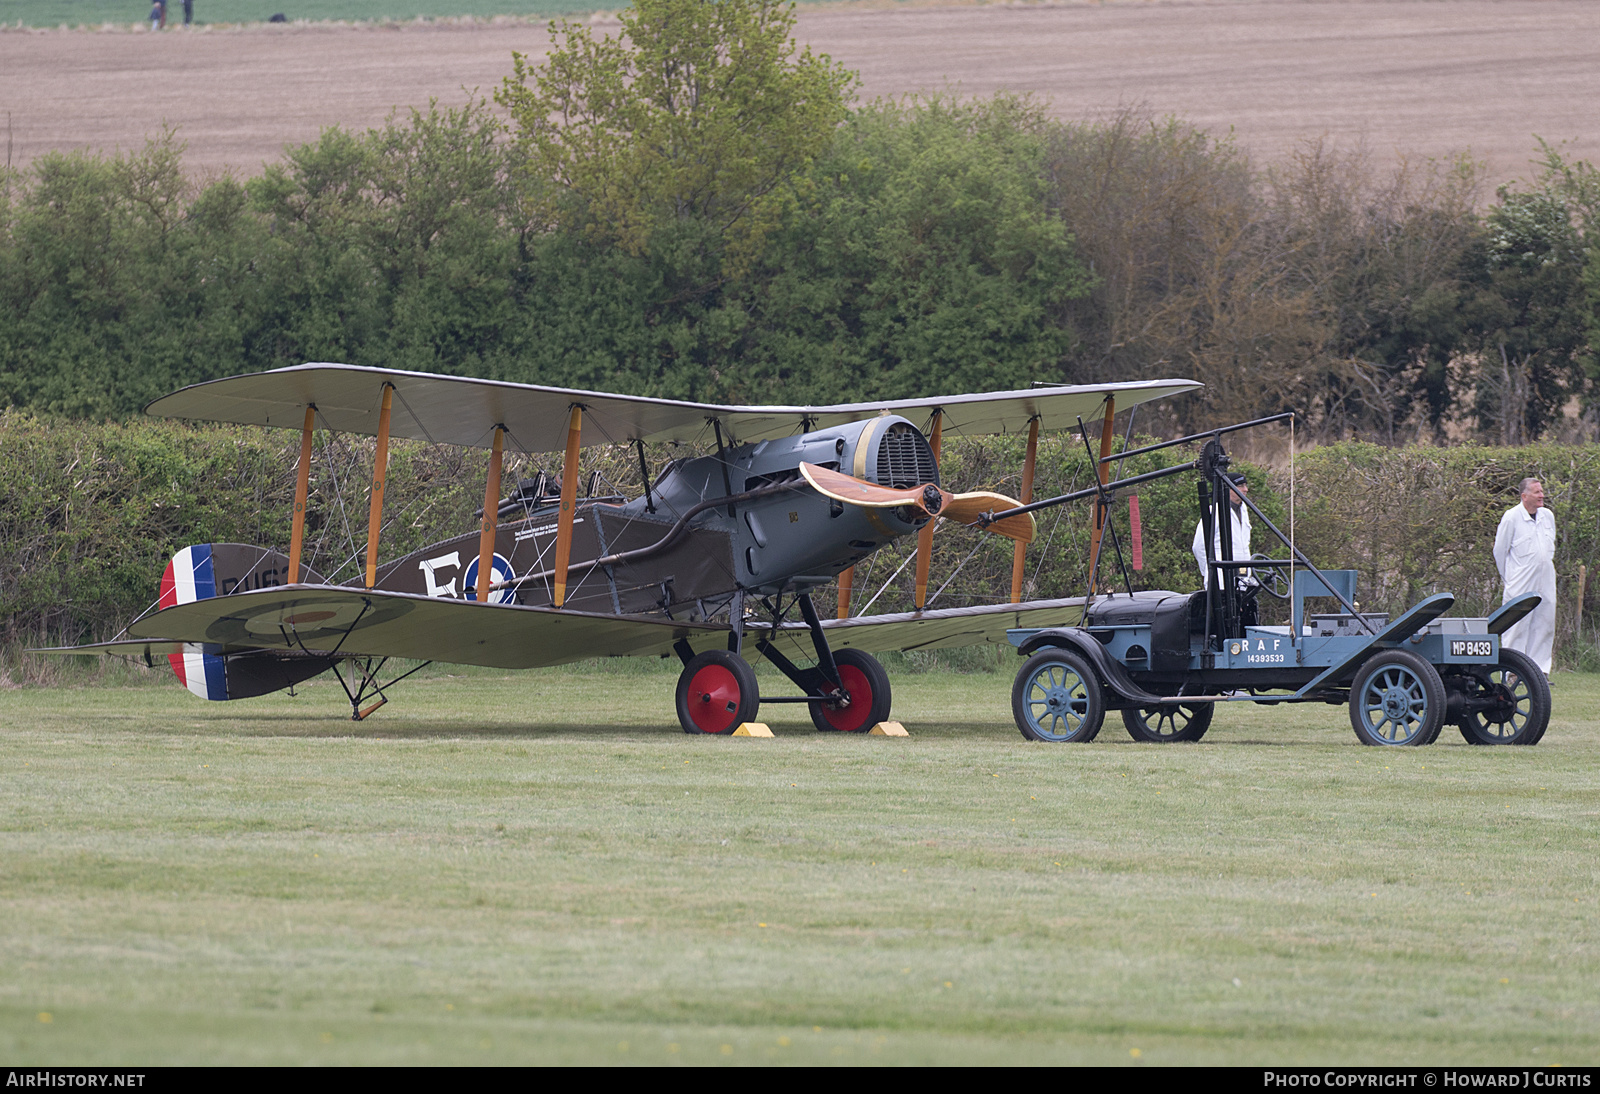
(1525, 555)
(1241, 530)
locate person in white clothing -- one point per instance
(1241, 530)
(1525, 555)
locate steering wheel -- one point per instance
(1274, 580)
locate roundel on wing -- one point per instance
(502, 572)
(301, 617)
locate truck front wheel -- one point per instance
(1057, 697)
(1397, 699)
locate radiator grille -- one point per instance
(904, 458)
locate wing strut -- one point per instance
(302, 488)
(847, 581)
(925, 537)
(380, 471)
(491, 511)
(1100, 511)
(644, 474)
(569, 507)
(722, 461)
(1021, 548)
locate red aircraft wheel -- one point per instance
(868, 687)
(716, 692)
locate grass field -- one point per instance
(541, 868)
(75, 13)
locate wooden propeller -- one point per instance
(968, 508)
(961, 508)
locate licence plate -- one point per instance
(1472, 647)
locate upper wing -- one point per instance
(941, 628)
(328, 618)
(463, 411)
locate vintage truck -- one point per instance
(1166, 659)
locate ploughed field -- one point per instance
(1429, 77)
(542, 868)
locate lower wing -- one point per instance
(329, 620)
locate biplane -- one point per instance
(709, 564)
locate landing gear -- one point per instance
(1397, 699)
(1503, 704)
(358, 691)
(716, 693)
(846, 692)
(862, 700)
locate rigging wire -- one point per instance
(1061, 512)
(334, 438)
(414, 416)
(909, 556)
(975, 548)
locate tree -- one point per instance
(1386, 261)
(699, 111)
(1530, 316)
(925, 258)
(1578, 183)
(120, 280)
(397, 246)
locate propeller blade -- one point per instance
(853, 491)
(961, 508)
(968, 508)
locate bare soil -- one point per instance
(1426, 77)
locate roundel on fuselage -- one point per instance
(501, 566)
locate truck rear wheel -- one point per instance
(1521, 701)
(1169, 722)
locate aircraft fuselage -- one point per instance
(785, 540)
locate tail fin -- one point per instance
(205, 570)
(221, 569)
(190, 576)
